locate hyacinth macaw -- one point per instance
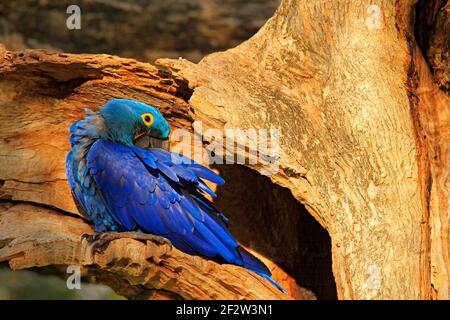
(124, 188)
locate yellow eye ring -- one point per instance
(148, 119)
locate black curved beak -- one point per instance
(144, 141)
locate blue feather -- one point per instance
(268, 278)
(206, 173)
(202, 186)
(167, 172)
(122, 187)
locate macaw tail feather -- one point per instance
(265, 276)
(254, 264)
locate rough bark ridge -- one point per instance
(364, 146)
(42, 94)
(365, 135)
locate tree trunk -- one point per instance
(364, 146)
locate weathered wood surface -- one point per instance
(37, 237)
(42, 94)
(365, 134)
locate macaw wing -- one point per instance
(185, 173)
(72, 184)
(87, 197)
(145, 190)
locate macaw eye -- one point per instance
(148, 119)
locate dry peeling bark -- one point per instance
(132, 268)
(42, 94)
(364, 146)
(365, 135)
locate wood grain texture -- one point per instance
(41, 94)
(353, 110)
(132, 268)
(364, 144)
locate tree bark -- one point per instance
(133, 269)
(365, 135)
(365, 128)
(42, 94)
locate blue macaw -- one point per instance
(124, 188)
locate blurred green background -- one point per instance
(29, 285)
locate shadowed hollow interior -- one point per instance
(268, 219)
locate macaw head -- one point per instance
(131, 122)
